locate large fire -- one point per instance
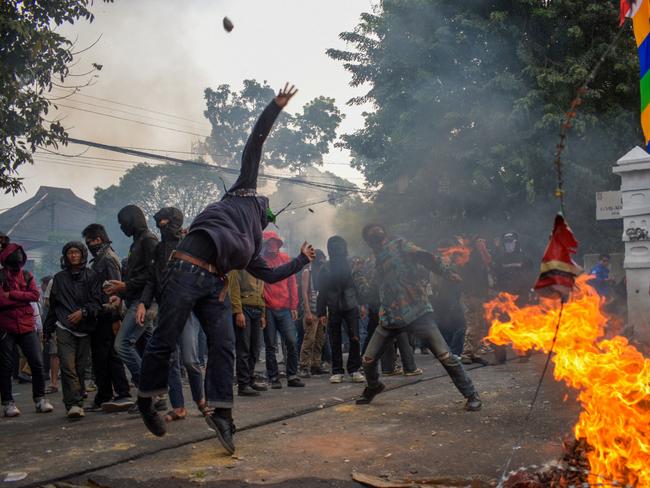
(612, 376)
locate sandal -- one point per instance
(51, 389)
(172, 415)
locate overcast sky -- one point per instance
(161, 55)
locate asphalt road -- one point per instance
(313, 436)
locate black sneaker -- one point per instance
(225, 430)
(245, 390)
(118, 405)
(295, 383)
(259, 387)
(94, 408)
(276, 385)
(473, 403)
(370, 393)
(133, 409)
(150, 417)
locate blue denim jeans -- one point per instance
(280, 321)
(127, 337)
(188, 288)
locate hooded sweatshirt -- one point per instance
(335, 285)
(141, 253)
(19, 289)
(170, 237)
(74, 290)
(234, 225)
(283, 294)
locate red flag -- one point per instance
(558, 270)
(626, 7)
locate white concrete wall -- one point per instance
(634, 170)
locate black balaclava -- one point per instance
(15, 260)
(4, 240)
(337, 248)
(132, 220)
(77, 245)
(171, 231)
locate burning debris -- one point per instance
(459, 254)
(612, 376)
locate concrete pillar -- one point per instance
(634, 170)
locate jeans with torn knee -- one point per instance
(424, 328)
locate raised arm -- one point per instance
(250, 161)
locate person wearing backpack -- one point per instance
(18, 328)
(75, 304)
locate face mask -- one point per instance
(126, 230)
(15, 260)
(94, 250)
(375, 238)
(510, 246)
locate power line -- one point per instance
(132, 120)
(291, 180)
(134, 106)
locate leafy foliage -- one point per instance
(467, 102)
(297, 141)
(33, 58)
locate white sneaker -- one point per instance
(76, 412)
(11, 410)
(358, 377)
(336, 378)
(43, 406)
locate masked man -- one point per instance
(405, 306)
(226, 235)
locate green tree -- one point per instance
(467, 100)
(297, 141)
(34, 57)
(189, 188)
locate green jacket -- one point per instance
(245, 290)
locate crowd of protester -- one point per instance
(91, 321)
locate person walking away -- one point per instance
(337, 299)
(314, 335)
(75, 304)
(281, 300)
(17, 329)
(248, 309)
(226, 235)
(134, 278)
(405, 306)
(110, 375)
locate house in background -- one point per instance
(44, 223)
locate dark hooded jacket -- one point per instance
(141, 253)
(19, 289)
(106, 263)
(72, 291)
(336, 290)
(514, 271)
(234, 225)
(170, 237)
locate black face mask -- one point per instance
(375, 238)
(15, 260)
(94, 250)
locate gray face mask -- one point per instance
(510, 246)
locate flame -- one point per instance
(611, 375)
(459, 255)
